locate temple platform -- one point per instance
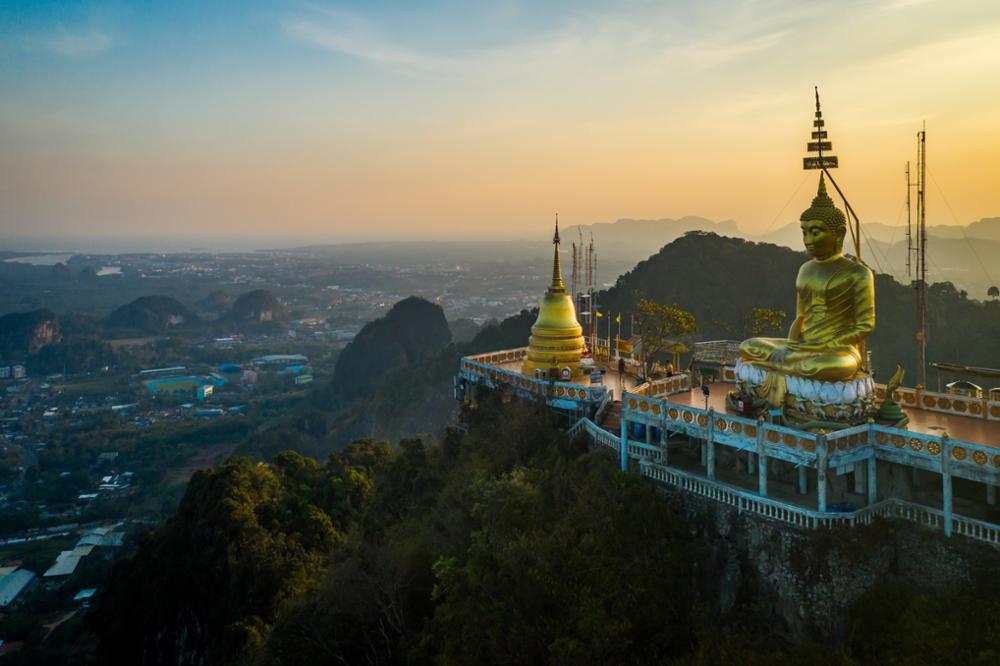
(613, 380)
(942, 471)
(969, 428)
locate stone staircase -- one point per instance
(612, 418)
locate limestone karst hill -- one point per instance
(719, 279)
(151, 315)
(27, 332)
(257, 306)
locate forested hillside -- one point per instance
(507, 543)
(720, 279)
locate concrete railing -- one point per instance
(487, 372)
(744, 501)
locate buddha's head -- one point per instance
(823, 226)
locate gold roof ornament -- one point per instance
(556, 343)
(824, 210)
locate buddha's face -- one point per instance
(821, 241)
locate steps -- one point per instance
(612, 419)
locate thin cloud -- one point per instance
(63, 42)
(707, 55)
(348, 37)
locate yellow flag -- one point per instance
(598, 313)
(618, 319)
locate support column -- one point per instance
(750, 455)
(803, 480)
(710, 443)
(761, 460)
(704, 453)
(991, 494)
(821, 454)
(664, 446)
(623, 442)
(859, 481)
(649, 435)
(946, 482)
(872, 479)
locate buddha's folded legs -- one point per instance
(791, 358)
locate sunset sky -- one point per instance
(374, 120)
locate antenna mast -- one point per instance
(921, 257)
(909, 225)
(573, 276)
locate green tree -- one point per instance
(661, 326)
(760, 321)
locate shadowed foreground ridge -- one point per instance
(506, 544)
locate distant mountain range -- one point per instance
(965, 256)
(962, 255)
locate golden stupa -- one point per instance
(556, 343)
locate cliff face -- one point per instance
(24, 333)
(805, 583)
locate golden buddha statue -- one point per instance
(556, 344)
(834, 309)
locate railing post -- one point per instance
(821, 454)
(872, 478)
(623, 442)
(710, 457)
(946, 481)
(761, 460)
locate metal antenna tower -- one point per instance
(574, 275)
(922, 257)
(909, 225)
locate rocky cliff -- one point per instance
(23, 333)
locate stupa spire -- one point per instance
(557, 281)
